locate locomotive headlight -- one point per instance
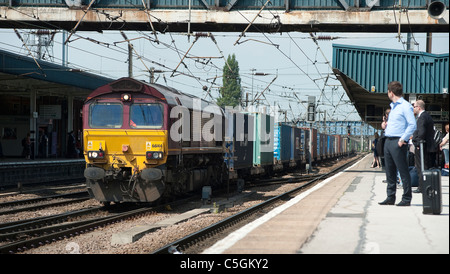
(153, 155)
(125, 97)
(96, 154)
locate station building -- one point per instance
(43, 99)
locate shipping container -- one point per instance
(277, 143)
(329, 146)
(338, 140)
(305, 152)
(297, 147)
(239, 136)
(283, 142)
(321, 146)
(314, 144)
(332, 146)
(264, 140)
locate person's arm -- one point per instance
(411, 125)
(444, 141)
(421, 131)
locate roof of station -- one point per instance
(19, 74)
(365, 73)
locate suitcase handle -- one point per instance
(422, 167)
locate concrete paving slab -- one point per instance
(380, 229)
(137, 232)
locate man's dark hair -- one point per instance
(396, 87)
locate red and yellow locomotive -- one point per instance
(143, 141)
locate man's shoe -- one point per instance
(417, 191)
(387, 202)
(403, 203)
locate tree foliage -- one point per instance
(230, 93)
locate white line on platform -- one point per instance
(224, 244)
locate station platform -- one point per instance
(341, 215)
(39, 170)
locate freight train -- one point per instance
(146, 141)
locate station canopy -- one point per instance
(20, 74)
(365, 73)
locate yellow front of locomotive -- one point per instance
(128, 150)
(125, 147)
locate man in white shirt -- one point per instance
(400, 126)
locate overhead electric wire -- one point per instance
(123, 51)
(206, 68)
(322, 94)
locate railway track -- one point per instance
(33, 233)
(41, 225)
(69, 198)
(45, 187)
(38, 236)
(203, 234)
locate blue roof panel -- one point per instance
(26, 66)
(374, 68)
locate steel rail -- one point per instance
(40, 199)
(83, 227)
(35, 207)
(16, 228)
(76, 229)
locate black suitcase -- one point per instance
(431, 188)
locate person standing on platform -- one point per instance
(71, 146)
(376, 159)
(444, 146)
(423, 133)
(380, 143)
(400, 126)
(26, 144)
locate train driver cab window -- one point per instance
(105, 115)
(146, 116)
